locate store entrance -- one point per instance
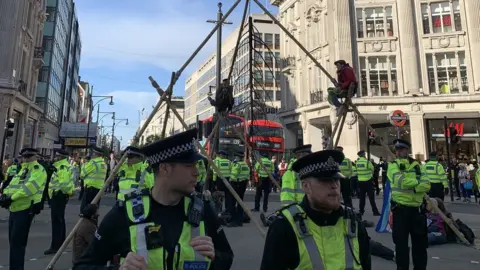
(466, 150)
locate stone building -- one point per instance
(417, 56)
(21, 57)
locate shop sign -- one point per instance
(459, 127)
(75, 141)
(398, 118)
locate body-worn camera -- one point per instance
(153, 237)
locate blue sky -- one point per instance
(124, 43)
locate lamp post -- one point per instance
(90, 109)
(113, 128)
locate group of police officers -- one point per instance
(160, 176)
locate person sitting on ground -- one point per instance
(436, 227)
(86, 232)
(346, 77)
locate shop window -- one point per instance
(378, 76)
(441, 17)
(375, 22)
(447, 73)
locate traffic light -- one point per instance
(9, 125)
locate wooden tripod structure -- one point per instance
(164, 97)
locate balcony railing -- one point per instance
(316, 96)
(38, 57)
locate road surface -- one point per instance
(246, 241)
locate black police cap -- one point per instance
(28, 152)
(133, 151)
(323, 165)
(361, 153)
(307, 148)
(179, 148)
(401, 144)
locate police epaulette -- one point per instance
(149, 170)
(280, 210)
(349, 213)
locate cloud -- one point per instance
(163, 37)
(134, 100)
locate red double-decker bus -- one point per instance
(266, 136)
(229, 140)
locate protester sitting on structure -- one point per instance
(346, 78)
(436, 227)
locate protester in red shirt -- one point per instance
(282, 167)
(345, 78)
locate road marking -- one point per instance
(33, 259)
(436, 258)
(474, 262)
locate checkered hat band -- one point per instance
(319, 167)
(174, 151)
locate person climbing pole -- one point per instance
(346, 78)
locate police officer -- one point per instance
(346, 169)
(132, 174)
(437, 176)
(59, 191)
(365, 174)
(317, 233)
(264, 182)
(409, 185)
(22, 198)
(291, 186)
(239, 179)
(202, 174)
(166, 228)
(93, 175)
(225, 167)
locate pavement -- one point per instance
(246, 241)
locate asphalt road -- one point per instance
(246, 241)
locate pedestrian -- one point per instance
(409, 186)
(225, 166)
(376, 175)
(239, 179)
(93, 175)
(85, 234)
(383, 165)
(167, 228)
(466, 184)
(23, 198)
(291, 242)
(347, 171)
(60, 189)
(365, 175)
(437, 176)
(264, 185)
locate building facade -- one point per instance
(417, 56)
(21, 57)
(266, 74)
(155, 127)
(58, 78)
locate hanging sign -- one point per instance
(398, 118)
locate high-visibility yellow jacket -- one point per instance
(240, 171)
(62, 178)
(267, 164)
(435, 172)
(364, 169)
(346, 167)
(94, 173)
(26, 188)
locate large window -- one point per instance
(447, 73)
(375, 22)
(379, 76)
(441, 17)
(277, 41)
(269, 41)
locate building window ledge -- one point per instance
(377, 38)
(447, 34)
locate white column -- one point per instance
(408, 46)
(473, 21)
(418, 134)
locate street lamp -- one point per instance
(113, 128)
(90, 109)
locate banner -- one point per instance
(385, 223)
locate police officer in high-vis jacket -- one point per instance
(437, 176)
(23, 198)
(264, 184)
(166, 228)
(132, 175)
(291, 186)
(409, 184)
(365, 177)
(202, 174)
(346, 168)
(60, 189)
(93, 175)
(224, 165)
(238, 179)
(318, 233)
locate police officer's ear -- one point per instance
(166, 168)
(306, 186)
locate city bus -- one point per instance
(266, 136)
(229, 140)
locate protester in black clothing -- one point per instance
(375, 176)
(172, 213)
(383, 165)
(295, 224)
(456, 181)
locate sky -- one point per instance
(124, 43)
